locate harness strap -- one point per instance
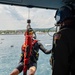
(34, 41)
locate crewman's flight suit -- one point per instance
(63, 51)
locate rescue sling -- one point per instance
(27, 49)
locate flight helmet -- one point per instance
(30, 31)
(64, 13)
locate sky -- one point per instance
(15, 17)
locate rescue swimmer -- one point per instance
(32, 63)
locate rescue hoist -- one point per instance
(27, 45)
(27, 48)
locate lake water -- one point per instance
(10, 49)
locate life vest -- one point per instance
(24, 45)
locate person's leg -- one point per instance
(15, 72)
(32, 70)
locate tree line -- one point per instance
(2, 32)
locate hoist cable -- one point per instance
(28, 13)
(49, 31)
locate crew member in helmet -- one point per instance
(32, 65)
(63, 51)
